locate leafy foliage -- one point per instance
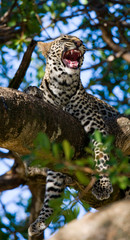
(60, 156)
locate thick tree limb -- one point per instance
(110, 223)
(121, 130)
(23, 116)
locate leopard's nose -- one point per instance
(78, 43)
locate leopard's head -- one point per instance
(66, 52)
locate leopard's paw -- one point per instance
(36, 228)
(102, 188)
(35, 91)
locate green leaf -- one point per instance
(56, 150)
(127, 111)
(98, 136)
(123, 182)
(69, 215)
(82, 178)
(68, 150)
(85, 205)
(42, 140)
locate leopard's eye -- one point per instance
(64, 38)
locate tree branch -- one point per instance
(120, 51)
(23, 116)
(109, 223)
(15, 176)
(9, 33)
(17, 79)
(102, 11)
(5, 17)
(6, 155)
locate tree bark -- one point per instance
(110, 223)
(23, 116)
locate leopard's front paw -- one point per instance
(35, 91)
(102, 188)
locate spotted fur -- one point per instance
(55, 183)
(62, 86)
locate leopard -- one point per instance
(62, 87)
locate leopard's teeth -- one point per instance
(67, 53)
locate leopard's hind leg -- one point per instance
(55, 184)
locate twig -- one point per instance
(7, 14)
(116, 48)
(83, 169)
(109, 59)
(86, 190)
(122, 2)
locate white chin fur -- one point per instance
(71, 70)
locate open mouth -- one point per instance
(71, 58)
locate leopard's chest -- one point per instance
(59, 87)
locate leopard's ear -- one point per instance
(44, 47)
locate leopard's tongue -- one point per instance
(71, 64)
(71, 58)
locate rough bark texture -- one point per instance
(120, 128)
(23, 116)
(111, 223)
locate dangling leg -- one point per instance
(102, 187)
(55, 184)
